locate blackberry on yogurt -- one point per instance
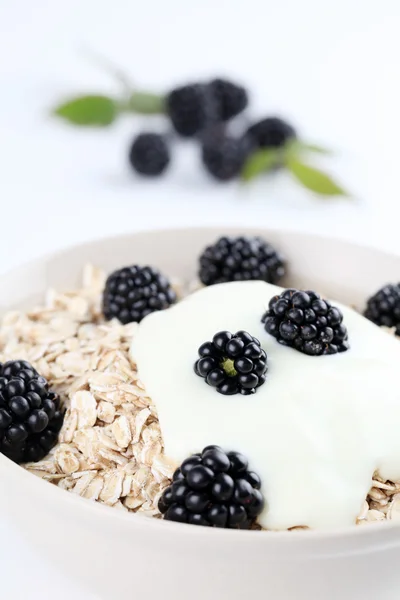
(215, 489)
(306, 322)
(232, 363)
(383, 308)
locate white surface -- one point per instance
(329, 67)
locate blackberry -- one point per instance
(149, 154)
(232, 363)
(305, 322)
(240, 259)
(133, 292)
(383, 308)
(191, 108)
(231, 99)
(31, 415)
(271, 132)
(223, 156)
(214, 489)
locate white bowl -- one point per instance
(121, 556)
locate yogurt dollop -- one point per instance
(315, 432)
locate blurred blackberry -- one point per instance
(271, 132)
(383, 308)
(31, 415)
(231, 99)
(133, 292)
(214, 489)
(223, 156)
(240, 259)
(307, 323)
(149, 154)
(191, 109)
(232, 363)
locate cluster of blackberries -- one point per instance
(30, 414)
(306, 322)
(203, 111)
(215, 489)
(232, 363)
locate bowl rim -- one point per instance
(285, 537)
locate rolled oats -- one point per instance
(105, 412)
(122, 431)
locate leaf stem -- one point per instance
(109, 67)
(144, 103)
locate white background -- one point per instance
(331, 67)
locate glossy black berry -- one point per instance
(216, 490)
(271, 132)
(149, 154)
(234, 363)
(383, 308)
(306, 322)
(240, 259)
(191, 108)
(133, 292)
(199, 477)
(30, 421)
(223, 487)
(216, 461)
(223, 157)
(231, 99)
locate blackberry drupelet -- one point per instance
(133, 292)
(232, 363)
(191, 109)
(149, 154)
(306, 322)
(214, 489)
(231, 98)
(223, 156)
(31, 415)
(271, 132)
(383, 308)
(240, 259)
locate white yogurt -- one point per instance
(315, 432)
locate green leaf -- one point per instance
(296, 147)
(261, 162)
(88, 111)
(314, 179)
(146, 104)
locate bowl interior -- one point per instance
(91, 538)
(340, 270)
